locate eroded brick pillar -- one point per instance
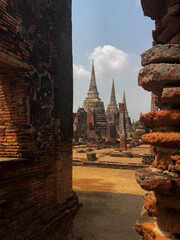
(160, 218)
(122, 127)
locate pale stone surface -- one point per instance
(167, 53)
(154, 77)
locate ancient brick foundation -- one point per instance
(160, 218)
(36, 197)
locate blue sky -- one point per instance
(114, 33)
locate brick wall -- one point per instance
(36, 120)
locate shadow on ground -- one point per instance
(107, 216)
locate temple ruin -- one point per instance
(153, 102)
(106, 126)
(128, 124)
(36, 121)
(112, 113)
(161, 75)
(94, 104)
(36, 199)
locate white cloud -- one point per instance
(81, 82)
(80, 72)
(110, 63)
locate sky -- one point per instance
(113, 33)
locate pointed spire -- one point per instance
(124, 101)
(93, 93)
(113, 96)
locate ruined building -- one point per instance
(111, 135)
(161, 75)
(153, 102)
(125, 129)
(94, 104)
(36, 198)
(112, 113)
(80, 125)
(84, 126)
(139, 131)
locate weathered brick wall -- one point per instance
(111, 133)
(36, 120)
(80, 124)
(13, 139)
(90, 121)
(160, 218)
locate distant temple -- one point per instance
(153, 102)
(128, 124)
(92, 122)
(112, 113)
(94, 104)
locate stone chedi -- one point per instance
(112, 114)
(94, 104)
(128, 124)
(160, 218)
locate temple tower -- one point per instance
(112, 114)
(129, 130)
(94, 104)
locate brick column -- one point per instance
(122, 127)
(161, 75)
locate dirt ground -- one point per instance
(112, 202)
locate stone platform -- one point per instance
(111, 158)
